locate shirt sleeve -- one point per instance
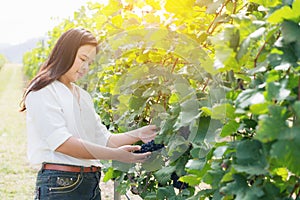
(47, 118)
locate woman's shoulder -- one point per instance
(44, 92)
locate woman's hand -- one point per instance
(147, 133)
(125, 154)
(144, 134)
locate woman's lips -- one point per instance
(80, 74)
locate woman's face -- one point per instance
(84, 57)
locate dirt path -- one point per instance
(17, 177)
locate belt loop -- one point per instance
(81, 170)
(43, 166)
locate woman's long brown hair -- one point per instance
(60, 60)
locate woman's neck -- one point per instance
(66, 83)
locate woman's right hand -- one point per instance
(125, 154)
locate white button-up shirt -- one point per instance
(54, 114)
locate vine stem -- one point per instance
(205, 85)
(259, 52)
(174, 65)
(299, 89)
(261, 49)
(234, 8)
(294, 189)
(211, 29)
(147, 181)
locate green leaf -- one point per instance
(112, 8)
(272, 125)
(290, 31)
(282, 172)
(164, 175)
(260, 108)
(200, 151)
(223, 111)
(136, 103)
(189, 112)
(195, 164)
(229, 176)
(214, 175)
(165, 192)
(219, 152)
(240, 188)
(207, 110)
(250, 157)
(182, 87)
(109, 174)
(199, 130)
(286, 13)
(283, 67)
(177, 147)
(249, 97)
(267, 3)
(277, 91)
(154, 3)
(229, 128)
(179, 7)
(296, 109)
(117, 20)
(155, 162)
(190, 179)
(286, 150)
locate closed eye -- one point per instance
(82, 59)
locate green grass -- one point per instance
(17, 177)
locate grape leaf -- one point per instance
(189, 112)
(290, 31)
(259, 108)
(296, 108)
(229, 128)
(286, 13)
(249, 97)
(241, 189)
(267, 3)
(250, 157)
(192, 180)
(164, 175)
(272, 125)
(287, 149)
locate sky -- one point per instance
(21, 20)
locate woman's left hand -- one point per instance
(147, 133)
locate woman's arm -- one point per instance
(145, 134)
(78, 148)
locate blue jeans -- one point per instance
(61, 185)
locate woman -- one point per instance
(65, 135)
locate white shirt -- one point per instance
(54, 114)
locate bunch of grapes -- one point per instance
(176, 183)
(149, 146)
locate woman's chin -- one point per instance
(79, 76)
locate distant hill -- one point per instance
(14, 53)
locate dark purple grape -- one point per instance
(176, 183)
(149, 147)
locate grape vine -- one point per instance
(219, 78)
